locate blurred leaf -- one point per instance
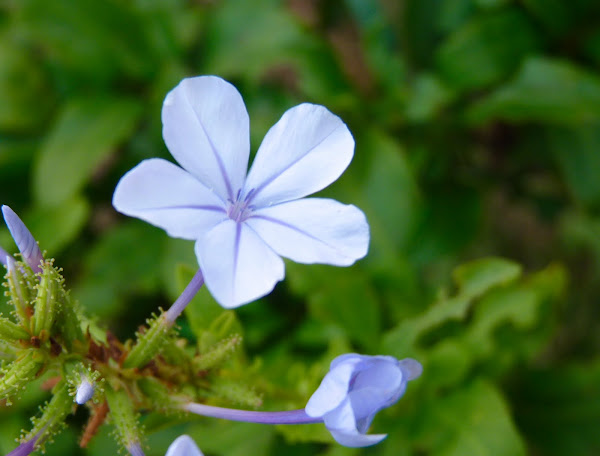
(392, 195)
(233, 439)
(478, 276)
(123, 262)
(559, 408)
(95, 40)
(576, 153)
(544, 90)
(347, 300)
(485, 427)
(86, 132)
(238, 47)
(53, 228)
(26, 97)
(486, 50)
(474, 279)
(555, 15)
(428, 98)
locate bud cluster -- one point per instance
(47, 335)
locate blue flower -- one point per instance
(354, 390)
(243, 223)
(183, 445)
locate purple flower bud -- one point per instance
(26, 448)
(354, 390)
(26, 243)
(184, 445)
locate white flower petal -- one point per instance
(331, 392)
(167, 196)
(207, 130)
(238, 266)
(304, 152)
(183, 445)
(314, 230)
(352, 440)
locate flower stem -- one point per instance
(289, 417)
(184, 299)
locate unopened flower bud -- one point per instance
(184, 445)
(355, 389)
(85, 391)
(25, 241)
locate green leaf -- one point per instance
(473, 279)
(54, 228)
(575, 150)
(473, 420)
(428, 97)
(86, 132)
(123, 262)
(544, 90)
(478, 276)
(347, 300)
(559, 408)
(93, 40)
(392, 220)
(486, 50)
(26, 97)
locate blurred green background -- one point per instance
(477, 163)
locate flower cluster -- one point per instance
(243, 223)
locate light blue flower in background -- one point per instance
(183, 445)
(243, 223)
(354, 390)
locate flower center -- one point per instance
(240, 209)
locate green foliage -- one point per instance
(476, 163)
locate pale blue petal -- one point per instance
(207, 130)
(354, 358)
(26, 243)
(85, 391)
(314, 230)
(379, 373)
(183, 445)
(169, 197)
(331, 392)
(342, 424)
(412, 368)
(238, 266)
(304, 152)
(357, 440)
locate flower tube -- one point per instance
(353, 391)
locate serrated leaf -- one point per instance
(86, 132)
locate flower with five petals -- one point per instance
(243, 223)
